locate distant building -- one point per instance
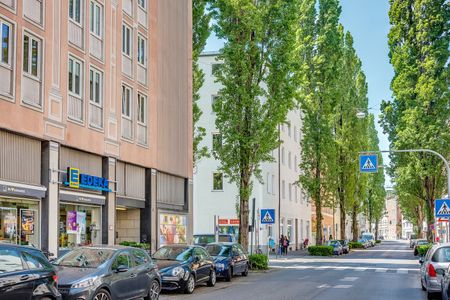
(391, 223)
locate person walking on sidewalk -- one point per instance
(280, 245)
(285, 245)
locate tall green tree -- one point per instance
(200, 33)
(258, 88)
(419, 113)
(318, 54)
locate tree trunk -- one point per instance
(343, 213)
(355, 223)
(377, 221)
(244, 193)
(430, 219)
(318, 203)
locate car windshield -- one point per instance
(85, 258)
(342, 242)
(173, 253)
(442, 255)
(218, 250)
(333, 243)
(204, 239)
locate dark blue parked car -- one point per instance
(230, 259)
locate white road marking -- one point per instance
(323, 286)
(349, 279)
(402, 271)
(342, 286)
(381, 270)
(360, 269)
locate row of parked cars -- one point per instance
(116, 272)
(435, 271)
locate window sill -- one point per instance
(217, 191)
(32, 105)
(74, 120)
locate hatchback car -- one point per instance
(432, 267)
(337, 247)
(345, 246)
(183, 267)
(364, 242)
(25, 273)
(106, 273)
(230, 259)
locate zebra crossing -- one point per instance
(348, 268)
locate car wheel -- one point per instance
(430, 296)
(245, 273)
(45, 298)
(423, 287)
(190, 285)
(102, 295)
(229, 274)
(155, 289)
(212, 278)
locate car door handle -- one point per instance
(24, 277)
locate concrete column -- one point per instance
(154, 230)
(146, 213)
(190, 209)
(109, 210)
(50, 204)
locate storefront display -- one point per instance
(172, 229)
(19, 221)
(229, 226)
(79, 225)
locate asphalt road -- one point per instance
(387, 271)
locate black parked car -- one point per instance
(230, 259)
(25, 273)
(182, 267)
(106, 273)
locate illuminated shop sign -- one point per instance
(84, 181)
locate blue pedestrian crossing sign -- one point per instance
(368, 163)
(442, 208)
(267, 216)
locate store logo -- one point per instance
(85, 181)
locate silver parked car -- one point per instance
(434, 264)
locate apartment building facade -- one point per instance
(95, 122)
(215, 199)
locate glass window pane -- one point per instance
(11, 261)
(71, 9)
(26, 49)
(91, 85)
(97, 20)
(128, 41)
(70, 75)
(97, 88)
(77, 79)
(34, 57)
(5, 43)
(123, 38)
(77, 10)
(123, 100)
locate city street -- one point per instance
(387, 271)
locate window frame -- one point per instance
(93, 19)
(31, 38)
(214, 178)
(80, 62)
(10, 42)
(130, 116)
(95, 71)
(141, 38)
(126, 27)
(213, 135)
(80, 22)
(144, 122)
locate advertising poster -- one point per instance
(27, 221)
(10, 225)
(172, 229)
(81, 221)
(72, 222)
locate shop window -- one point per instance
(218, 181)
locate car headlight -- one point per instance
(178, 271)
(220, 266)
(85, 283)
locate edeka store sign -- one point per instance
(84, 181)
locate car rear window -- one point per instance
(442, 255)
(10, 261)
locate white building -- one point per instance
(407, 228)
(214, 196)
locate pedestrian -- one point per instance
(280, 245)
(305, 243)
(285, 245)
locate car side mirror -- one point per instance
(421, 260)
(121, 269)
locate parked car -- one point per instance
(364, 242)
(337, 247)
(417, 244)
(369, 237)
(106, 273)
(25, 273)
(411, 243)
(230, 259)
(183, 267)
(345, 246)
(433, 266)
(205, 239)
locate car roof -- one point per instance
(107, 247)
(18, 247)
(180, 246)
(220, 234)
(224, 243)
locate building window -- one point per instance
(216, 142)
(95, 87)
(142, 109)
(283, 189)
(295, 133)
(282, 155)
(215, 68)
(141, 50)
(96, 19)
(126, 40)
(289, 130)
(75, 10)
(75, 82)
(218, 181)
(141, 4)
(213, 102)
(126, 102)
(290, 191)
(5, 30)
(31, 55)
(289, 160)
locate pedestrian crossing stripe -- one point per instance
(267, 218)
(444, 210)
(368, 165)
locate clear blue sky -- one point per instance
(368, 21)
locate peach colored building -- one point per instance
(95, 122)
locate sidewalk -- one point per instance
(290, 254)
